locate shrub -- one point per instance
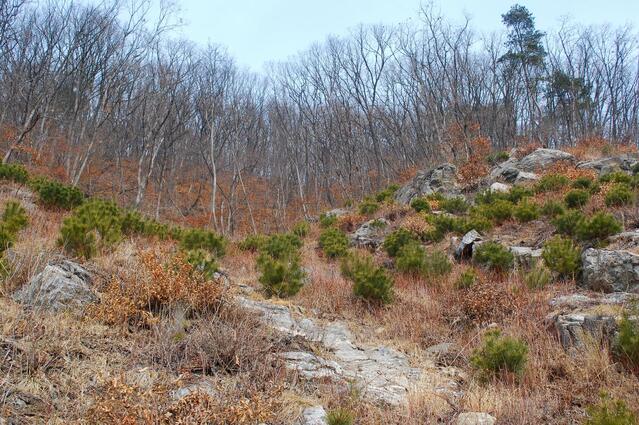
(489, 197)
(14, 217)
(387, 194)
(397, 239)
(369, 281)
(7, 239)
(333, 242)
(279, 265)
(410, 258)
(499, 211)
(498, 354)
(568, 222)
(253, 243)
(466, 280)
(340, 417)
(551, 183)
(598, 227)
(474, 221)
(203, 239)
(552, 209)
(576, 198)
(561, 256)
(619, 195)
(493, 255)
(95, 224)
(132, 223)
(203, 262)
(583, 183)
(14, 172)
(610, 412)
(627, 340)
(526, 211)
(616, 177)
(538, 277)
(327, 220)
(57, 195)
(517, 193)
(368, 207)
(455, 205)
(495, 158)
(420, 205)
(436, 264)
(301, 229)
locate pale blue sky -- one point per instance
(258, 31)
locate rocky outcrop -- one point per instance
(525, 257)
(371, 234)
(523, 170)
(500, 187)
(475, 418)
(610, 270)
(381, 373)
(606, 165)
(442, 179)
(579, 319)
(59, 286)
(315, 415)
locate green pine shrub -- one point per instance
(252, 243)
(619, 195)
(493, 255)
(53, 194)
(327, 220)
(610, 412)
(551, 183)
(280, 267)
(436, 264)
(517, 193)
(577, 198)
(598, 227)
(585, 183)
(411, 258)
(526, 211)
(301, 229)
(568, 222)
(538, 277)
(454, 205)
(487, 197)
(498, 212)
(499, 354)
(467, 279)
(203, 262)
(562, 256)
(627, 341)
(368, 206)
(616, 177)
(387, 194)
(397, 239)
(370, 282)
(14, 172)
(333, 242)
(14, 217)
(7, 239)
(420, 205)
(552, 209)
(203, 239)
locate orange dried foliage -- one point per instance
(596, 147)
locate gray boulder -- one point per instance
(315, 415)
(442, 179)
(506, 171)
(465, 248)
(500, 187)
(606, 165)
(371, 234)
(525, 257)
(543, 158)
(475, 418)
(610, 270)
(59, 286)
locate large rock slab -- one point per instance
(610, 270)
(315, 415)
(381, 373)
(442, 179)
(580, 319)
(608, 164)
(59, 286)
(542, 159)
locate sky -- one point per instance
(258, 31)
